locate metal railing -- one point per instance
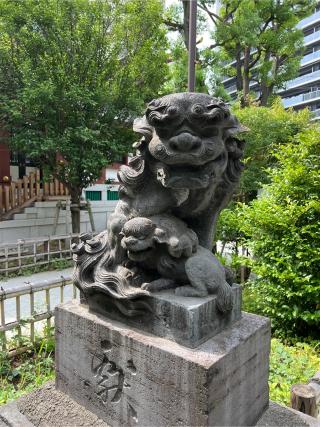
(312, 57)
(34, 252)
(311, 38)
(29, 290)
(307, 78)
(296, 100)
(315, 17)
(316, 114)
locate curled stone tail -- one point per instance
(224, 298)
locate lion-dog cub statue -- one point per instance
(165, 244)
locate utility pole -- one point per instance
(192, 45)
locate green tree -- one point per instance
(73, 73)
(176, 18)
(259, 40)
(269, 128)
(282, 229)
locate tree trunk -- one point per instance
(246, 78)
(265, 93)
(303, 399)
(238, 69)
(186, 9)
(75, 210)
(266, 90)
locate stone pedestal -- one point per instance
(132, 378)
(187, 321)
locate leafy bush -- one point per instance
(269, 128)
(290, 365)
(26, 371)
(283, 232)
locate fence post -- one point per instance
(46, 189)
(61, 188)
(1, 201)
(25, 188)
(48, 307)
(51, 188)
(303, 399)
(32, 314)
(19, 257)
(19, 189)
(3, 323)
(13, 195)
(6, 198)
(18, 313)
(37, 183)
(31, 182)
(56, 187)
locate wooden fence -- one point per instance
(45, 314)
(21, 193)
(34, 252)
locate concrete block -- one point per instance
(187, 321)
(131, 378)
(48, 407)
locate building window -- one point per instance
(93, 195)
(112, 195)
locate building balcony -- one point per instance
(312, 38)
(227, 79)
(316, 115)
(231, 89)
(304, 98)
(303, 80)
(309, 59)
(309, 20)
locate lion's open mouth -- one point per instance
(139, 250)
(188, 176)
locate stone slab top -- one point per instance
(189, 321)
(205, 354)
(190, 303)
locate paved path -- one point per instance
(48, 276)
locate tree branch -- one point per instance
(175, 26)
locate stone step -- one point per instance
(25, 215)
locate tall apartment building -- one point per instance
(304, 90)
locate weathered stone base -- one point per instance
(128, 378)
(187, 321)
(48, 407)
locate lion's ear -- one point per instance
(232, 127)
(142, 127)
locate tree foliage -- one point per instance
(282, 229)
(72, 74)
(258, 41)
(269, 128)
(176, 19)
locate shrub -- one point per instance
(290, 365)
(283, 232)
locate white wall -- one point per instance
(38, 221)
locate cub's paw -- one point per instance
(158, 285)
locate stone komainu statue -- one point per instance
(187, 166)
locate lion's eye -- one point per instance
(197, 109)
(172, 111)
